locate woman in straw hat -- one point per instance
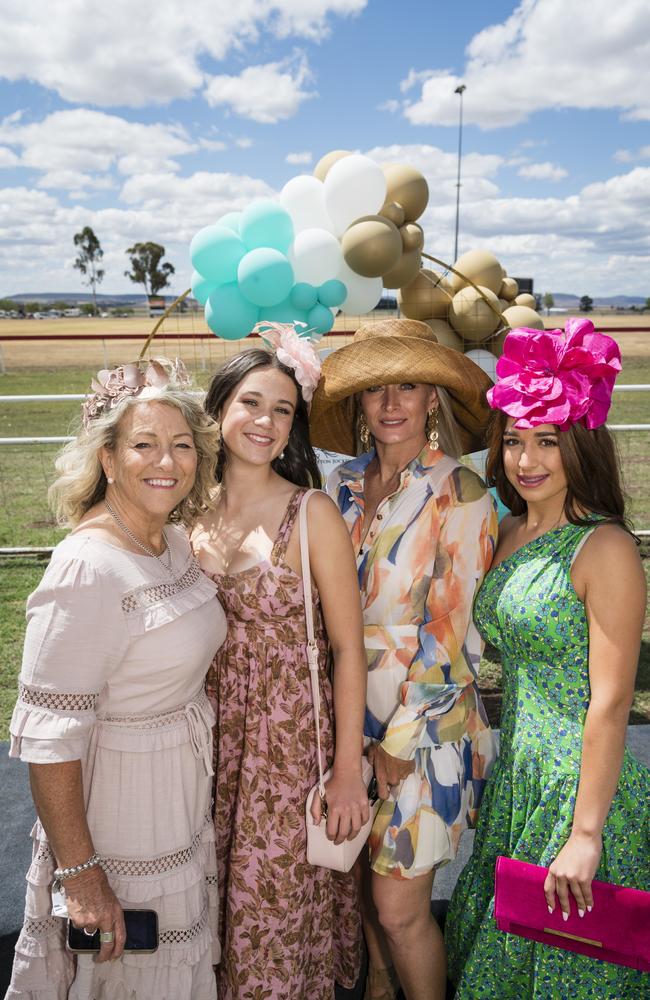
(424, 530)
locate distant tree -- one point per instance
(147, 270)
(60, 305)
(90, 254)
(586, 304)
(33, 307)
(548, 301)
(88, 308)
(7, 305)
(647, 304)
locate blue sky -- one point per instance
(147, 121)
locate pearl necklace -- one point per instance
(136, 541)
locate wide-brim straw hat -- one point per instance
(387, 352)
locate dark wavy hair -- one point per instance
(591, 466)
(299, 464)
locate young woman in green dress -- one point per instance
(564, 602)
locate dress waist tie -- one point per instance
(200, 729)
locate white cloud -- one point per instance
(549, 54)
(135, 54)
(299, 158)
(244, 142)
(92, 142)
(8, 158)
(268, 93)
(391, 106)
(73, 181)
(630, 155)
(542, 172)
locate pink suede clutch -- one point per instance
(617, 929)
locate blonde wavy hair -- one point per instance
(81, 482)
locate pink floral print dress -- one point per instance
(288, 929)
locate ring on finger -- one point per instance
(106, 937)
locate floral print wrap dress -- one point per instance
(420, 565)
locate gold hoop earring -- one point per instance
(364, 433)
(432, 429)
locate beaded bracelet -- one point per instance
(61, 874)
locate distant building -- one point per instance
(525, 285)
(156, 306)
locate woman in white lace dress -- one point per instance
(112, 715)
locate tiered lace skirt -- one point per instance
(147, 782)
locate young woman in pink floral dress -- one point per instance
(288, 929)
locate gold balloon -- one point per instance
(509, 289)
(408, 188)
(504, 304)
(445, 335)
(404, 271)
(412, 237)
(526, 299)
(471, 316)
(481, 267)
(391, 210)
(326, 162)
(371, 246)
(425, 297)
(524, 316)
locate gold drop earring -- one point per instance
(364, 433)
(432, 428)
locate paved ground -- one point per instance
(17, 814)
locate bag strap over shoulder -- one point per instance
(312, 646)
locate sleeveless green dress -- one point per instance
(528, 609)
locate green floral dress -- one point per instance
(528, 609)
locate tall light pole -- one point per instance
(459, 90)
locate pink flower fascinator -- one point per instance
(112, 386)
(294, 351)
(557, 377)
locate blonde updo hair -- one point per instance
(81, 482)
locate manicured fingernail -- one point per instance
(589, 909)
(550, 909)
(581, 913)
(565, 916)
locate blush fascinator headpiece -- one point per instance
(294, 351)
(112, 386)
(560, 377)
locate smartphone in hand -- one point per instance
(141, 934)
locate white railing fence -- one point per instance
(78, 397)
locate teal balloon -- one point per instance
(284, 312)
(265, 223)
(215, 253)
(320, 319)
(332, 293)
(230, 220)
(304, 296)
(201, 287)
(229, 314)
(265, 276)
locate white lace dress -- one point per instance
(116, 654)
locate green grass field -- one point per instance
(26, 471)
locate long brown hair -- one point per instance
(298, 464)
(591, 466)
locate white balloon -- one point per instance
(354, 186)
(363, 293)
(315, 256)
(485, 360)
(304, 199)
